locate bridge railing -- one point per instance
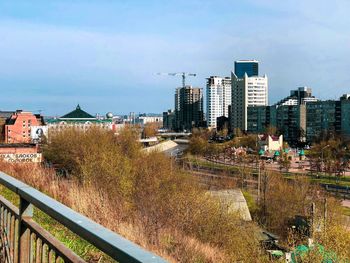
(24, 240)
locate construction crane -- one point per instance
(183, 74)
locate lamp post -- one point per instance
(322, 156)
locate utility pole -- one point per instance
(325, 217)
(312, 220)
(322, 156)
(259, 178)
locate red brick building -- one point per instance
(4, 115)
(18, 126)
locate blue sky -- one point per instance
(104, 54)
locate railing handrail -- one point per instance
(102, 238)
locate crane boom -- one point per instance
(183, 74)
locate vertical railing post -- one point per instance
(25, 210)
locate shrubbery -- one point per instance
(152, 194)
(149, 200)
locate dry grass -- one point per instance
(141, 197)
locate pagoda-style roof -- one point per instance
(78, 113)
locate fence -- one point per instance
(24, 240)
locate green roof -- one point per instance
(277, 153)
(78, 113)
(302, 250)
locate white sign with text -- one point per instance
(21, 157)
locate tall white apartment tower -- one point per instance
(218, 98)
(247, 91)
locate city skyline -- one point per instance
(103, 55)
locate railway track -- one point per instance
(337, 190)
(210, 176)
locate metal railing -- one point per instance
(24, 240)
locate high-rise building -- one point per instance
(249, 67)
(323, 118)
(188, 108)
(299, 96)
(345, 115)
(246, 91)
(218, 99)
(308, 120)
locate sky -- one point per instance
(104, 54)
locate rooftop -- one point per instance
(247, 61)
(78, 113)
(17, 145)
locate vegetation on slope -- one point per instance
(146, 198)
(282, 200)
(141, 196)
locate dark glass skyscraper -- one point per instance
(251, 67)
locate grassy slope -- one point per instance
(61, 233)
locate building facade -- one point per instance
(169, 120)
(291, 122)
(188, 108)
(270, 142)
(345, 115)
(260, 118)
(308, 120)
(323, 119)
(81, 120)
(18, 126)
(249, 67)
(144, 119)
(327, 119)
(246, 92)
(4, 115)
(218, 99)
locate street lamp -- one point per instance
(322, 156)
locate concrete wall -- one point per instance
(161, 147)
(234, 201)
